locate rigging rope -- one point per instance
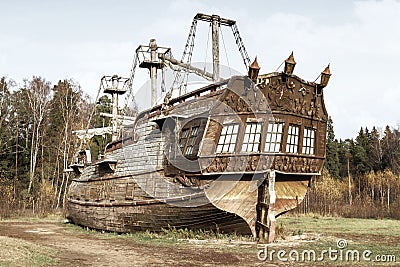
(130, 85)
(178, 82)
(94, 109)
(226, 54)
(279, 66)
(208, 40)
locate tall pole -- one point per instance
(16, 160)
(215, 45)
(153, 71)
(114, 116)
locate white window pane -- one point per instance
(219, 148)
(224, 129)
(231, 149)
(236, 129)
(268, 138)
(233, 139)
(244, 147)
(279, 137)
(221, 139)
(229, 129)
(277, 147)
(251, 147)
(246, 138)
(251, 138)
(270, 127)
(249, 127)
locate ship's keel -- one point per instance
(266, 221)
(259, 200)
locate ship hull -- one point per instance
(155, 216)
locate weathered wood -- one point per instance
(145, 183)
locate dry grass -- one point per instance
(17, 252)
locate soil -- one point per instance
(79, 249)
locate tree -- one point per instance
(38, 95)
(374, 150)
(391, 150)
(332, 155)
(359, 152)
(5, 134)
(98, 143)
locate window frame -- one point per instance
(183, 146)
(293, 139)
(309, 141)
(252, 136)
(271, 137)
(191, 140)
(231, 146)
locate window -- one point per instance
(293, 139)
(187, 140)
(191, 141)
(183, 139)
(309, 141)
(252, 137)
(227, 139)
(274, 137)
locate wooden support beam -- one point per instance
(266, 223)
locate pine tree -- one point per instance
(391, 150)
(332, 155)
(375, 150)
(360, 149)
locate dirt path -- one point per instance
(80, 249)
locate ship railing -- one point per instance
(204, 91)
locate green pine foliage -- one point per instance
(332, 151)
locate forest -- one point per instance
(37, 120)
(37, 142)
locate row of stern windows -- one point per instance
(254, 135)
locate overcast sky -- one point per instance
(85, 40)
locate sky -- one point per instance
(84, 40)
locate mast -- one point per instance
(114, 95)
(115, 86)
(152, 63)
(215, 45)
(216, 22)
(153, 71)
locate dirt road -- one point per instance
(76, 248)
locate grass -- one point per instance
(165, 236)
(339, 225)
(50, 218)
(301, 233)
(381, 237)
(16, 252)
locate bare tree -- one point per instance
(39, 95)
(68, 95)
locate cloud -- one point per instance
(363, 52)
(360, 39)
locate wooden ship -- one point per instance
(230, 156)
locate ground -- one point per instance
(52, 242)
(70, 247)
